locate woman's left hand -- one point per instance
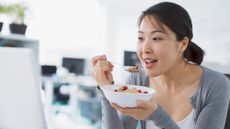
(143, 110)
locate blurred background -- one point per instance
(66, 34)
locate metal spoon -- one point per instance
(131, 69)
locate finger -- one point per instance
(151, 104)
(114, 105)
(101, 67)
(104, 66)
(103, 78)
(96, 58)
(142, 104)
(102, 73)
(126, 111)
(109, 76)
(119, 108)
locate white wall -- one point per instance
(65, 28)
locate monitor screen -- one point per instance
(131, 58)
(74, 65)
(48, 70)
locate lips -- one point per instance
(149, 62)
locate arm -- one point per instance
(214, 114)
(111, 119)
(102, 74)
(162, 119)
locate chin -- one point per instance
(151, 73)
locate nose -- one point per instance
(147, 47)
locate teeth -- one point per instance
(149, 61)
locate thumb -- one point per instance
(142, 104)
(109, 76)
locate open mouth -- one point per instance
(150, 62)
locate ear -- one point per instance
(183, 44)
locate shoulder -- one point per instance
(212, 99)
(214, 83)
(214, 78)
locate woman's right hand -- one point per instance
(102, 70)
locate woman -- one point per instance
(188, 96)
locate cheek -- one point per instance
(166, 55)
(138, 50)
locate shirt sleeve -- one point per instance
(214, 113)
(162, 119)
(111, 119)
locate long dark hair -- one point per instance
(178, 20)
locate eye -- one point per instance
(157, 38)
(140, 38)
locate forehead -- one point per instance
(150, 23)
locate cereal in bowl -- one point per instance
(125, 89)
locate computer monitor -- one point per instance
(74, 65)
(48, 70)
(131, 58)
(20, 97)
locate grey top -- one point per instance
(210, 102)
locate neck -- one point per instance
(177, 77)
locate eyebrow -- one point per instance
(155, 31)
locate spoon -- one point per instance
(131, 69)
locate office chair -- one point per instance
(227, 123)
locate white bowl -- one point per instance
(126, 99)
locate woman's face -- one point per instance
(157, 49)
